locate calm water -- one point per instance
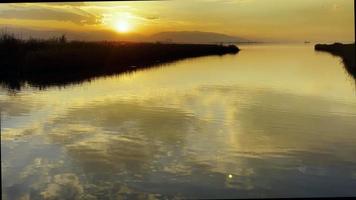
(272, 121)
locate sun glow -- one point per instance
(122, 26)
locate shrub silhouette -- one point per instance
(345, 51)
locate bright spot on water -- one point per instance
(230, 176)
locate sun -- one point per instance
(122, 26)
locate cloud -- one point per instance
(49, 14)
(64, 186)
(74, 4)
(151, 17)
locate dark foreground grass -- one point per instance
(345, 51)
(56, 61)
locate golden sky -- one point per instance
(267, 20)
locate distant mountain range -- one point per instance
(195, 37)
(192, 37)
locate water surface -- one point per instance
(271, 121)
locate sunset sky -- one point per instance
(265, 20)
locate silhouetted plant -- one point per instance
(57, 61)
(345, 51)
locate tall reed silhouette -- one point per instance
(59, 62)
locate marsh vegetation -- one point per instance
(57, 61)
(345, 51)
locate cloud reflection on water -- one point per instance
(272, 144)
(228, 128)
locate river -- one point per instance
(270, 121)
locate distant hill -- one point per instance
(195, 37)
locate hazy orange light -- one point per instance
(122, 26)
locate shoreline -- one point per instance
(56, 61)
(345, 51)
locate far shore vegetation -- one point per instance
(58, 61)
(345, 51)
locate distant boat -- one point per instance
(306, 42)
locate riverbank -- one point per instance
(59, 62)
(345, 51)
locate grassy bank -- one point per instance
(345, 51)
(58, 62)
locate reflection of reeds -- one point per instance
(57, 61)
(345, 51)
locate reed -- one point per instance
(58, 61)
